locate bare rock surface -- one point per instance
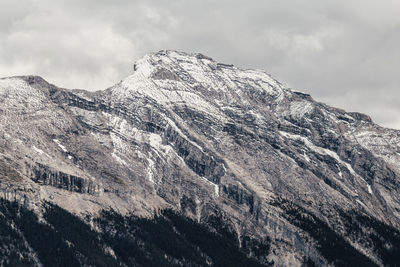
(206, 139)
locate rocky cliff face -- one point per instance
(209, 140)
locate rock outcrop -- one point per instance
(209, 140)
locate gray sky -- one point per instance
(344, 53)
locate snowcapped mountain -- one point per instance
(289, 180)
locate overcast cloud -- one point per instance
(344, 53)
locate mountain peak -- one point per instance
(193, 79)
(213, 142)
(171, 59)
(177, 56)
(194, 64)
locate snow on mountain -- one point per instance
(206, 139)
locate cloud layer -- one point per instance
(344, 53)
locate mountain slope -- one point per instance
(211, 141)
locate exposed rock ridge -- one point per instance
(210, 140)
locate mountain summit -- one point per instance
(189, 145)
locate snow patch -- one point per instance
(60, 145)
(340, 171)
(150, 170)
(328, 152)
(361, 203)
(223, 166)
(369, 189)
(165, 92)
(172, 123)
(117, 158)
(319, 150)
(216, 186)
(300, 108)
(306, 157)
(38, 150)
(155, 142)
